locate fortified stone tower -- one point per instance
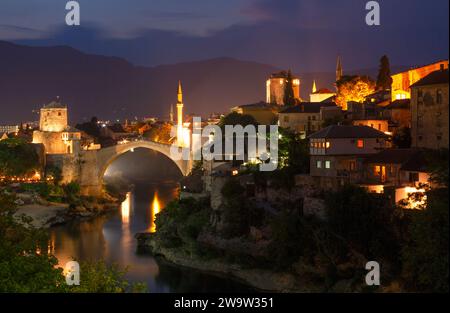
(54, 132)
(276, 85)
(53, 117)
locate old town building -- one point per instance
(429, 110)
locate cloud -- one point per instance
(14, 32)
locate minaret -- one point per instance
(314, 88)
(171, 114)
(339, 69)
(180, 115)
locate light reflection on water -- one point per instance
(111, 238)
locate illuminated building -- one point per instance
(183, 133)
(429, 111)
(399, 113)
(275, 87)
(54, 132)
(378, 124)
(321, 95)
(307, 117)
(338, 152)
(8, 129)
(264, 113)
(401, 82)
(398, 172)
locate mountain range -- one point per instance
(113, 88)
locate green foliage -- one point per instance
(55, 172)
(364, 219)
(235, 118)
(293, 151)
(97, 277)
(402, 138)
(236, 210)
(425, 257)
(17, 158)
(384, 79)
(182, 221)
(25, 265)
(437, 161)
(353, 88)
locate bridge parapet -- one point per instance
(93, 164)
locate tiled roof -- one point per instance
(55, 105)
(434, 78)
(307, 107)
(346, 131)
(399, 104)
(323, 90)
(393, 156)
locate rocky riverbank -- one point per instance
(260, 279)
(45, 214)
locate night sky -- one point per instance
(305, 35)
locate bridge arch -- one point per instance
(97, 162)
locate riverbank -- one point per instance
(261, 279)
(45, 214)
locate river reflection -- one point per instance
(111, 238)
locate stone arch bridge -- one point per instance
(88, 167)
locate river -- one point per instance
(111, 238)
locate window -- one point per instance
(379, 127)
(377, 170)
(413, 177)
(360, 143)
(419, 93)
(319, 164)
(327, 164)
(352, 165)
(439, 96)
(313, 117)
(59, 113)
(327, 144)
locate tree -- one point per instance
(363, 219)
(289, 98)
(353, 88)
(402, 138)
(235, 118)
(26, 266)
(293, 152)
(425, 257)
(91, 128)
(384, 79)
(17, 158)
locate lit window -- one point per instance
(319, 164)
(360, 143)
(327, 164)
(327, 144)
(377, 170)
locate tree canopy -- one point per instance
(353, 88)
(17, 157)
(384, 79)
